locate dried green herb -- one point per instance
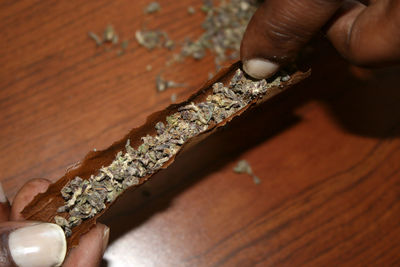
(151, 38)
(169, 44)
(244, 167)
(162, 84)
(196, 49)
(110, 35)
(173, 98)
(191, 10)
(224, 27)
(152, 8)
(96, 38)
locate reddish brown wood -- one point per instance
(327, 152)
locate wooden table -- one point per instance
(327, 151)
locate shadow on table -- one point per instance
(362, 102)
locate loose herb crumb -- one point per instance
(153, 38)
(244, 167)
(191, 10)
(224, 27)
(109, 34)
(96, 38)
(173, 98)
(152, 8)
(162, 84)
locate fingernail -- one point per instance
(42, 244)
(260, 68)
(3, 198)
(106, 236)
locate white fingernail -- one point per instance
(3, 198)
(260, 68)
(38, 245)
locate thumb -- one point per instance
(279, 29)
(90, 249)
(33, 244)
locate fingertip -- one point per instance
(26, 194)
(90, 249)
(31, 244)
(278, 30)
(259, 68)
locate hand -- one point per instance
(37, 244)
(366, 35)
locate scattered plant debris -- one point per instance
(244, 167)
(95, 38)
(110, 35)
(224, 27)
(191, 10)
(153, 38)
(173, 98)
(153, 7)
(162, 84)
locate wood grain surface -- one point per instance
(327, 151)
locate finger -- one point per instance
(279, 29)
(367, 36)
(26, 195)
(4, 205)
(90, 249)
(32, 244)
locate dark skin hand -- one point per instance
(41, 244)
(366, 33)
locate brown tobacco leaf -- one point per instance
(44, 206)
